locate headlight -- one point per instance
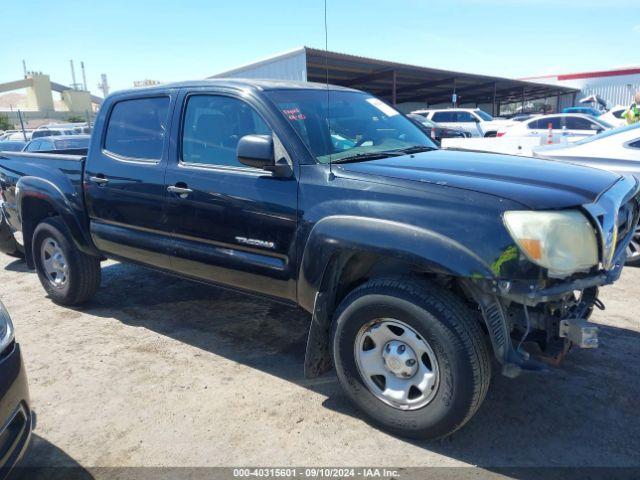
(563, 242)
(6, 328)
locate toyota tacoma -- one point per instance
(417, 265)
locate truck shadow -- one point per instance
(574, 416)
(46, 461)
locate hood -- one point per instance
(552, 151)
(498, 125)
(535, 183)
(498, 122)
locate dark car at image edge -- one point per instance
(15, 414)
(416, 264)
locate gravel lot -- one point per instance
(159, 371)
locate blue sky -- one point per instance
(168, 41)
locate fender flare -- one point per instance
(341, 234)
(69, 206)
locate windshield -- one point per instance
(356, 124)
(484, 115)
(607, 133)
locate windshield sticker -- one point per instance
(294, 114)
(383, 107)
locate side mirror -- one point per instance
(257, 151)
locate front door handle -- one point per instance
(99, 180)
(181, 191)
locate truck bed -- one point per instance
(63, 170)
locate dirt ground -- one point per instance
(159, 371)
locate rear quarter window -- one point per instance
(136, 128)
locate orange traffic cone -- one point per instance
(550, 135)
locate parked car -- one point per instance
(584, 110)
(523, 117)
(6, 134)
(18, 136)
(614, 116)
(472, 120)
(64, 143)
(50, 132)
(11, 145)
(404, 254)
(82, 129)
(573, 126)
(617, 150)
(15, 412)
(435, 131)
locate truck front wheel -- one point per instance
(69, 276)
(411, 356)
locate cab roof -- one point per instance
(242, 83)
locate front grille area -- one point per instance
(14, 434)
(7, 351)
(627, 216)
(615, 213)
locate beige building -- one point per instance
(39, 95)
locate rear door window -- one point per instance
(543, 123)
(579, 123)
(465, 117)
(444, 117)
(137, 127)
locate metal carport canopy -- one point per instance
(399, 83)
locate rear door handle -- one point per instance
(181, 191)
(99, 180)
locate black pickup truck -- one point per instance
(416, 264)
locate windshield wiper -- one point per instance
(368, 156)
(416, 149)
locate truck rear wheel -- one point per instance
(411, 356)
(69, 276)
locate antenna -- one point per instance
(326, 68)
(24, 68)
(84, 77)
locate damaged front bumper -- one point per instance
(550, 307)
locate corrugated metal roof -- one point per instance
(393, 80)
(416, 83)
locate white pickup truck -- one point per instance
(473, 120)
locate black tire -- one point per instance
(451, 331)
(490, 134)
(84, 275)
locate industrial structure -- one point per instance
(616, 87)
(408, 87)
(40, 88)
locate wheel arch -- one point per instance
(344, 251)
(37, 199)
